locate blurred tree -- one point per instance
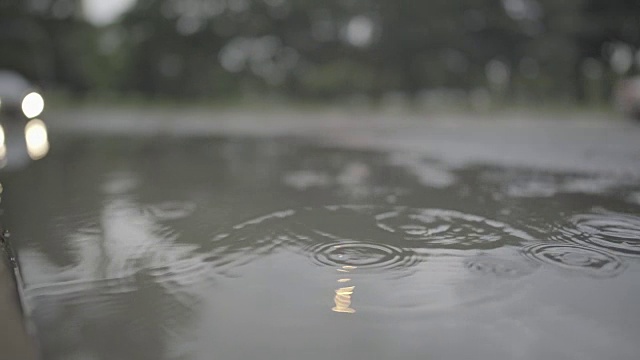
(519, 50)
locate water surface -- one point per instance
(278, 248)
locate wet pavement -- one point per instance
(444, 240)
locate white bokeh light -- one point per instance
(497, 72)
(359, 31)
(621, 58)
(104, 12)
(36, 138)
(32, 105)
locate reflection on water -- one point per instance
(165, 248)
(20, 143)
(35, 134)
(343, 300)
(3, 148)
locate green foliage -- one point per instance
(202, 49)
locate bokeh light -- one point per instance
(32, 105)
(36, 138)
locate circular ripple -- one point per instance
(362, 255)
(576, 258)
(171, 210)
(614, 232)
(439, 228)
(367, 237)
(500, 267)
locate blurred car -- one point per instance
(18, 98)
(627, 97)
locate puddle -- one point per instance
(234, 248)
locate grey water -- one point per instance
(205, 247)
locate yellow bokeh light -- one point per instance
(36, 138)
(343, 300)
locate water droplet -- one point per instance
(575, 258)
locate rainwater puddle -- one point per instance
(232, 248)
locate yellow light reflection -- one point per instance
(343, 300)
(346, 268)
(35, 134)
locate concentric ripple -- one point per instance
(614, 232)
(367, 237)
(362, 255)
(587, 261)
(498, 266)
(438, 228)
(171, 210)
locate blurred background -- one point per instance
(465, 54)
(161, 128)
